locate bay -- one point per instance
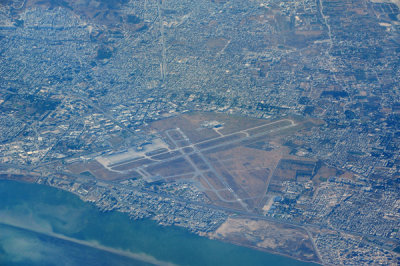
(41, 225)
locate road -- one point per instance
(230, 211)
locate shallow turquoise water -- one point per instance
(39, 215)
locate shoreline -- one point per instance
(31, 180)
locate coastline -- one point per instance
(267, 253)
(263, 250)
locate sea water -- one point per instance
(41, 225)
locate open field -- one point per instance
(212, 179)
(219, 141)
(277, 125)
(174, 167)
(268, 236)
(198, 161)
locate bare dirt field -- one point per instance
(268, 236)
(175, 167)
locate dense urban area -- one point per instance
(275, 114)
